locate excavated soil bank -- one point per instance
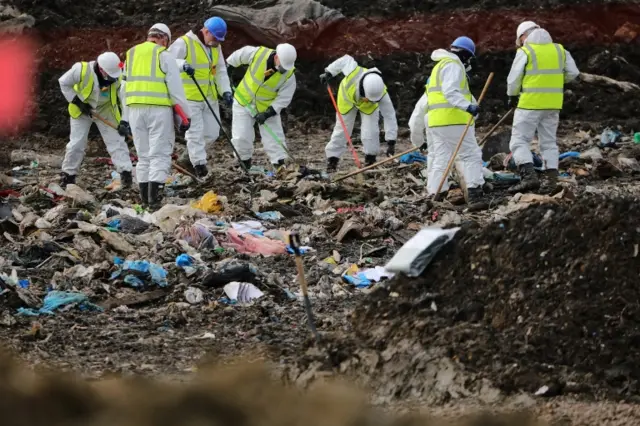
(548, 298)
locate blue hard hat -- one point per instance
(217, 27)
(465, 43)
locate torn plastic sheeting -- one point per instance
(413, 157)
(185, 262)
(572, 154)
(56, 299)
(238, 292)
(248, 226)
(141, 272)
(365, 277)
(125, 211)
(275, 215)
(299, 22)
(196, 235)
(609, 138)
(209, 203)
(248, 243)
(416, 254)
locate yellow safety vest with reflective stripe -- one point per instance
(348, 90)
(205, 68)
(543, 81)
(439, 111)
(254, 89)
(145, 79)
(85, 87)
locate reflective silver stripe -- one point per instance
(194, 65)
(534, 62)
(440, 106)
(542, 90)
(154, 63)
(438, 88)
(149, 94)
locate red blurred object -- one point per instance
(17, 73)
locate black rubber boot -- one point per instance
(369, 160)
(475, 199)
(277, 165)
(439, 197)
(332, 164)
(66, 179)
(201, 170)
(247, 163)
(156, 194)
(144, 194)
(550, 182)
(126, 179)
(528, 179)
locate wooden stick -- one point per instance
(386, 160)
(493, 129)
(464, 134)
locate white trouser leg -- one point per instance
(140, 131)
(273, 147)
(74, 152)
(161, 139)
(116, 146)
(211, 127)
(370, 132)
(443, 147)
(470, 158)
(242, 134)
(524, 127)
(195, 134)
(547, 130)
(338, 143)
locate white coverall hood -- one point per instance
(440, 54)
(539, 36)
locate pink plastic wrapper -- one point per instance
(248, 243)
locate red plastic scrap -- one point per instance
(9, 193)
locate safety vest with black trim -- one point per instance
(439, 111)
(205, 70)
(543, 81)
(254, 89)
(84, 88)
(145, 80)
(348, 90)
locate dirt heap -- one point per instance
(548, 298)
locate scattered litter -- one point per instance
(416, 254)
(140, 273)
(208, 203)
(59, 299)
(242, 293)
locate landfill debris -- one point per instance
(55, 300)
(242, 293)
(416, 254)
(139, 273)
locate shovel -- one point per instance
(294, 243)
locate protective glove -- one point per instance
(264, 116)
(188, 69)
(391, 148)
(184, 126)
(124, 129)
(85, 108)
(512, 102)
(228, 98)
(423, 147)
(325, 78)
(473, 110)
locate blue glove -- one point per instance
(188, 69)
(228, 98)
(473, 109)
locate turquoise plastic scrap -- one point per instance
(141, 271)
(56, 299)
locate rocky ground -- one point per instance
(533, 306)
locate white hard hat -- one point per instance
(523, 28)
(287, 55)
(373, 86)
(111, 64)
(162, 28)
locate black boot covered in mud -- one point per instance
(66, 179)
(201, 171)
(550, 182)
(475, 199)
(247, 163)
(126, 179)
(332, 164)
(144, 194)
(369, 160)
(156, 192)
(528, 179)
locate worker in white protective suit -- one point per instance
(89, 86)
(361, 90)
(535, 86)
(153, 90)
(450, 105)
(419, 130)
(199, 55)
(266, 89)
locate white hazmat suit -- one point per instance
(242, 132)
(419, 127)
(527, 122)
(204, 128)
(101, 102)
(152, 126)
(445, 138)
(369, 125)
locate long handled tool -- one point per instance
(493, 129)
(173, 163)
(374, 165)
(356, 159)
(226, 135)
(294, 243)
(464, 134)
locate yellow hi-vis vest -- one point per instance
(145, 79)
(85, 87)
(348, 90)
(439, 111)
(543, 81)
(205, 68)
(254, 89)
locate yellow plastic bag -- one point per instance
(208, 203)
